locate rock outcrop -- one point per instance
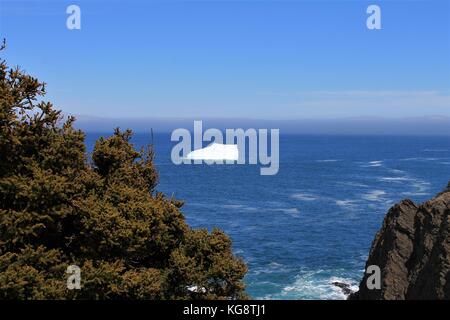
(412, 250)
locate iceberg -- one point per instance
(215, 151)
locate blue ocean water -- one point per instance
(313, 222)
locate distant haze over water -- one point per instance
(430, 125)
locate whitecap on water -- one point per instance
(347, 204)
(353, 184)
(304, 196)
(292, 211)
(374, 195)
(328, 160)
(421, 188)
(240, 207)
(395, 179)
(233, 206)
(375, 163)
(435, 150)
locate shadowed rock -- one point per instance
(345, 287)
(412, 249)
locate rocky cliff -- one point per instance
(412, 250)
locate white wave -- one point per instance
(421, 185)
(412, 193)
(395, 179)
(435, 150)
(270, 268)
(375, 163)
(352, 285)
(354, 184)
(328, 160)
(422, 159)
(293, 211)
(397, 171)
(346, 204)
(233, 206)
(314, 285)
(239, 207)
(275, 265)
(421, 189)
(374, 195)
(304, 196)
(201, 204)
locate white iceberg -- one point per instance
(215, 151)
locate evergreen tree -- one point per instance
(105, 216)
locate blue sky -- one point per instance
(238, 59)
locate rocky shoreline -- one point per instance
(412, 251)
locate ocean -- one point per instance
(313, 222)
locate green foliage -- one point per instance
(58, 209)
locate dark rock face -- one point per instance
(345, 287)
(412, 249)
